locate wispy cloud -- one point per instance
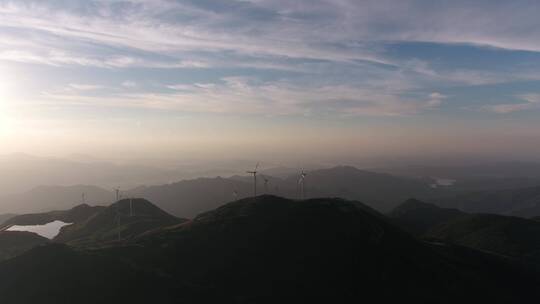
(129, 84)
(531, 102)
(85, 87)
(240, 95)
(325, 30)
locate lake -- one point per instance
(443, 182)
(49, 230)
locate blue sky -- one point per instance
(372, 77)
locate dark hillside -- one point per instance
(269, 250)
(418, 217)
(14, 243)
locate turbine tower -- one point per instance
(254, 172)
(265, 185)
(302, 182)
(117, 191)
(83, 196)
(118, 224)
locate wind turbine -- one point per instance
(83, 198)
(302, 182)
(254, 172)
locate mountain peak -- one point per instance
(138, 207)
(124, 219)
(418, 217)
(413, 203)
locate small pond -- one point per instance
(49, 230)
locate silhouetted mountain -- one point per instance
(524, 202)
(23, 172)
(190, 197)
(14, 243)
(267, 250)
(124, 219)
(280, 172)
(506, 235)
(418, 217)
(46, 198)
(380, 191)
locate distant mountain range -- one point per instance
(187, 198)
(22, 172)
(524, 202)
(380, 191)
(509, 169)
(46, 198)
(265, 249)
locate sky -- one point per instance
(317, 79)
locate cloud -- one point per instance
(436, 99)
(310, 56)
(129, 84)
(324, 30)
(141, 26)
(344, 30)
(532, 101)
(85, 87)
(244, 95)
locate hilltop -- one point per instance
(418, 217)
(122, 220)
